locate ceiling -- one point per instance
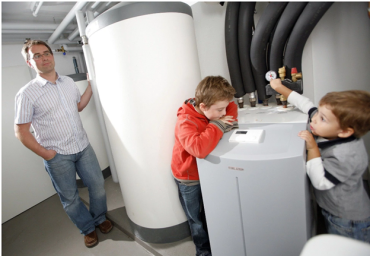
(19, 23)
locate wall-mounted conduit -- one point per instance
(281, 26)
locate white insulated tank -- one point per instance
(146, 66)
(91, 125)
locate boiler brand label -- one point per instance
(236, 168)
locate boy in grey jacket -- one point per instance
(337, 157)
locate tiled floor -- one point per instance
(45, 229)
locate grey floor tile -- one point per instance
(117, 214)
(45, 229)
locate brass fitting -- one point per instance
(298, 76)
(282, 73)
(278, 101)
(284, 101)
(266, 102)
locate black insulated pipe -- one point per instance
(284, 27)
(306, 22)
(264, 28)
(245, 33)
(232, 50)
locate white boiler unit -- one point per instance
(255, 188)
(146, 66)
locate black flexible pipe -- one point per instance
(282, 32)
(245, 32)
(259, 44)
(232, 51)
(306, 22)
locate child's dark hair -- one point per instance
(352, 108)
(212, 89)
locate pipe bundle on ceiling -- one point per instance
(278, 40)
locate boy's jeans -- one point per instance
(192, 203)
(359, 230)
(62, 171)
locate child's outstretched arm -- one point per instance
(301, 102)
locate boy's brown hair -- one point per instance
(212, 89)
(27, 45)
(352, 108)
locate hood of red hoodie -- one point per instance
(188, 108)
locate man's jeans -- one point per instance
(62, 171)
(359, 230)
(192, 203)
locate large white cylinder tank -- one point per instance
(146, 66)
(90, 122)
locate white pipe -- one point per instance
(10, 25)
(72, 49)
(28, 31)
(94, 5)
(33, 6)
(81, 23)
(73, 35)
(99, 110)
(70, 16)
(65, 41)
(90, 16)
(37, 9)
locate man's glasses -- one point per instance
(39, 56)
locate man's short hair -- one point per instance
(212, 89)
(352, 108)
(27, 45)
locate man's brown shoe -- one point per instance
(105, 227)
(91, 239)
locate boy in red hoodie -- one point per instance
(201, 123)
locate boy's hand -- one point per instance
(280, 88)
(311, 145)
(227, 120)
(310, 141)
(276, 84)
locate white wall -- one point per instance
(336, 55)
(25, 182)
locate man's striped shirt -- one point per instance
(52, 109)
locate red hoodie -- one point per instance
(194, 137)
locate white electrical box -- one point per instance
(247, 136)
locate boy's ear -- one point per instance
(345, 133)
(203, 107)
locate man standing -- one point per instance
(50, 103)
